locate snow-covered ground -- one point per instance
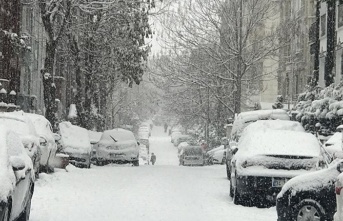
(164, 192)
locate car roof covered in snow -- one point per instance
(278, 142)
(18, 118)
(40, 123)
(118, 134)
(74, 137)
(245, 118)
(94, 136)
(275, 125)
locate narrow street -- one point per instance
(165, 191)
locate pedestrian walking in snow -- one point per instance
(153, 158)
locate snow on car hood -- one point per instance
(278, 142)
(311, 181)
(74, 139)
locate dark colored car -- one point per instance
(16, 177)
(309, 197)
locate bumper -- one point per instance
(283, 209)
(79, 161)
(258, 186)
(193, 162)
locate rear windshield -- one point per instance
(193, 151)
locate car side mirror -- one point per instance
(57, 137)
(138, 143)
(340, 167)
(43, 141)
(234, 151)
(17, 163)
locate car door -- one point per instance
(23, 176)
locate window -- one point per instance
(340, 15)
(323, 25)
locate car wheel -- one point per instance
(136, 163)
(231, 190)
(236, 197)
(308, 209)
(25, 216)
(228, 173)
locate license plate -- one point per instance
(278, 182)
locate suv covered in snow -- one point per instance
(117, 146)
(267, 159)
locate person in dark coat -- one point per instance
(153, 158)
(165, 127)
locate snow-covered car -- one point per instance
(219, 156)
(310, 196)
(276, 121)
(47, 140)
(75, 142)
(143, 154)
(22, 125)
(192, 156)
(181, 146)
(339, 193)
(16, 178)
(94, 138)
(181, 138)
(174, 134)
(117, 146)
(267, 159)
(334, 145)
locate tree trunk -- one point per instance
(317, 47)
(331, 37)
(49, 87)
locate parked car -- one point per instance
(338, 190)
(22, 125)
(117, 146)
(94, 138)
(310, 196)
(181, 146)
(75, 142)
(47, 138)
(192, 156)
(174, 133)
(219, 156)
(17, 178)
(277, 121)
(267, 159)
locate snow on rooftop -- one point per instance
(278, 142)
(74, 138)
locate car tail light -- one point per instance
(338, 190)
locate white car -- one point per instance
(267, 159)
(17, 177)
(48, 145)
(219, 156)
(339, 193)
(248, 124)
(117, 146)
(75, 142)
(22, 125)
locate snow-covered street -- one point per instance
(165, 191)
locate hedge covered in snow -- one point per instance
(324, 106)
